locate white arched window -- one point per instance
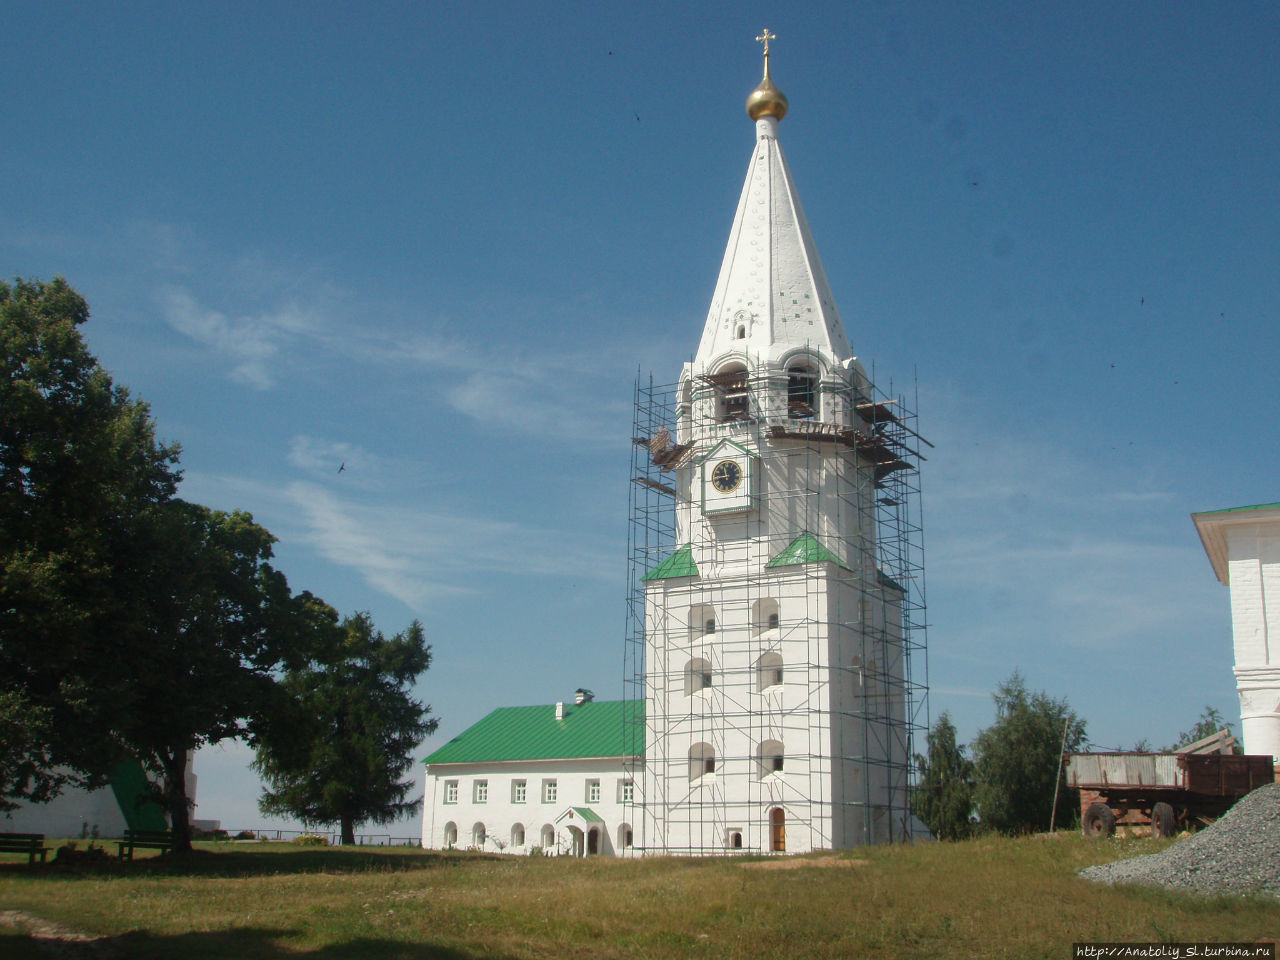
(624, 836)
(517, 835)
(764, 615)
(769, 758)
(802, 390)
(768, 671)
(702, 761)
(733, 399)
(702, 620)
(697, 676)
(478, 836)
(450, 835)
(548, 836)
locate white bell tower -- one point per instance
(773, 633)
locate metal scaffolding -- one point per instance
(810, 703)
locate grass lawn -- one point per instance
(984, 898)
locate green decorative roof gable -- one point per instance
(679, 564)
(805, 549)
(718, 450)
(591, 729)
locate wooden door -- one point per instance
(777, 830)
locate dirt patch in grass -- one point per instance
(58, 940)
(797, 864)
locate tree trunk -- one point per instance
(175, 789)
(348, 830)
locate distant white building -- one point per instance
(105, 812)
(549, 779)
(1243, 544)
(777, 588)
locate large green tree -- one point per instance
(79, 468)
(340, 750)
(943, 797)
(132, 624)
(1018, 759)
(212, 620)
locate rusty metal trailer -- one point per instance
(1166, 791)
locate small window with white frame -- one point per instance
(593, 791)
(626, 791)
(451, 791)
(519, 791)
(480, 791)
(548, 791)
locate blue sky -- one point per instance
(437, 242)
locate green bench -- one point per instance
(161, 840)
(32, 844)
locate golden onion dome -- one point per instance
(766, 100)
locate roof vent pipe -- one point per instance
(581, 696)
(559, 709)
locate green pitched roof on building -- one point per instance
(1256, 506)
(805, 549)
(679, 564)
(591, 729)
(133, 795)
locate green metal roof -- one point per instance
(805, 549)
(592, 729)
(1259, 506)
(133, 795)
(679, 564)
(587, 814)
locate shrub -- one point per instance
(69, 854)
(245, 835)
(310, 840)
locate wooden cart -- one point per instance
(1168, 792)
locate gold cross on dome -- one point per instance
(765, 38)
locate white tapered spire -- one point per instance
(772, 294)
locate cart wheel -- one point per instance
(1163, 821)
(1099, 821)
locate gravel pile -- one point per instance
(1239, 853)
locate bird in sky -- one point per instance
(343, 467)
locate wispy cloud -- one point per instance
(539, 391)
(416, 555)
(250, 342)
(1031, 542)
(327, 457)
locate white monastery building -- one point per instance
(123, 804)
(1243, 544)
(776, 594)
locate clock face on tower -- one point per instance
(727, 476)
(728, 479)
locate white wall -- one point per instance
(500, 813)
(1253, 551)
(68, 815)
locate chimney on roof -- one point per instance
(581, 696)
(559, 709)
